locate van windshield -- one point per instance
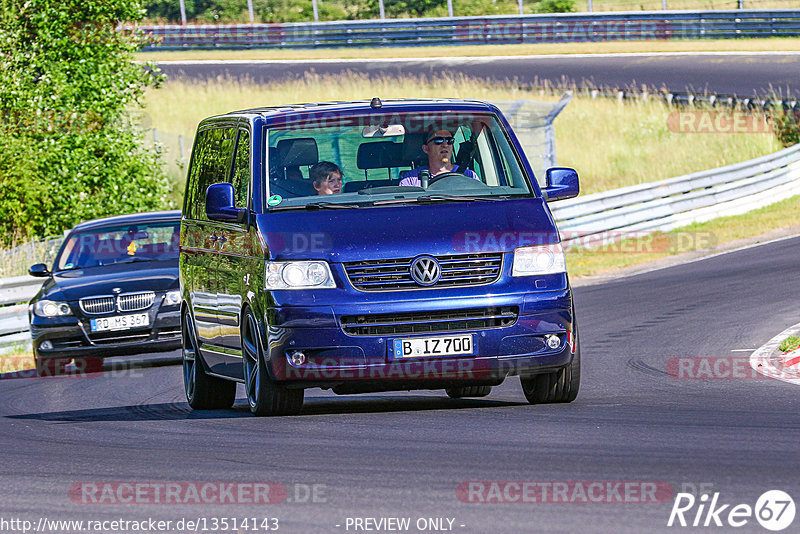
(370, 160)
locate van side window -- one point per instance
(241, 169)
(211, 166)
(189, 201)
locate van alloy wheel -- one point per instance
(264, 396)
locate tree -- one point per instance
(71, 148)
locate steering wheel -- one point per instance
(434, 179)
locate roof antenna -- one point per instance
(375, 103)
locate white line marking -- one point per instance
(466, 59)
(741, 350)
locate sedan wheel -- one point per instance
(264, 396)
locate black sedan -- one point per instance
(113, 290)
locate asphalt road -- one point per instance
(745, 75)
(404, 455)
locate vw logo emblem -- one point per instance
(425, 270)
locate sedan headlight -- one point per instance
(51, 308)
(172, 298)
(538, 260)
(299, 275)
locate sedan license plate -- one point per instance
(427, 347)
(120, 322)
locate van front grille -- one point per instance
(395, 275)
(430, 322)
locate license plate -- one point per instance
(120, 322)
(427, 347)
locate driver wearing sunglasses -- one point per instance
(438, 145)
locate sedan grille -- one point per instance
(135, 301)
(395, 275)
(124, 303)
(95, 305)
(430, 322)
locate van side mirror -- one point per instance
(39, 270)
(562, 182)
(220, 206)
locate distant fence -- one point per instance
(668, 204)
(14, 296)
(16, 291)
(498, 29)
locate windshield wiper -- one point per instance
(129, 260)
(438, 198)
(317, 206)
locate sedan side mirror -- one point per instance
(39, 270)
(562, 182)
(220, 205)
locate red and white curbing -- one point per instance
(768, 361)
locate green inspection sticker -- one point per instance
(274, 200)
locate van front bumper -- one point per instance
(342, 349)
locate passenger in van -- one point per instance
(438, 145)
(326, 177)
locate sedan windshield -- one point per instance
(119, 244)
(365, 161)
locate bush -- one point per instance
(72, 152)
(786, 125)
(555, 6)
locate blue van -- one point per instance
(371, 246)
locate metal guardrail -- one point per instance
(14, 296)
(668, 204)
(497, 29)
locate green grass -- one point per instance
(612, 144)
(695, 237)
(789, 344)
(606, 47)
(18, 360)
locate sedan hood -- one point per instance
(343, 235)
(149, 276)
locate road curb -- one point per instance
(767, 361)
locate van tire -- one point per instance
(558, 386)
(468, 391)
(264, 396)
(203, 392)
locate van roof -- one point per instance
(364, 106)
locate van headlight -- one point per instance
(51, 308)
(299, 275)
(538, 260)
